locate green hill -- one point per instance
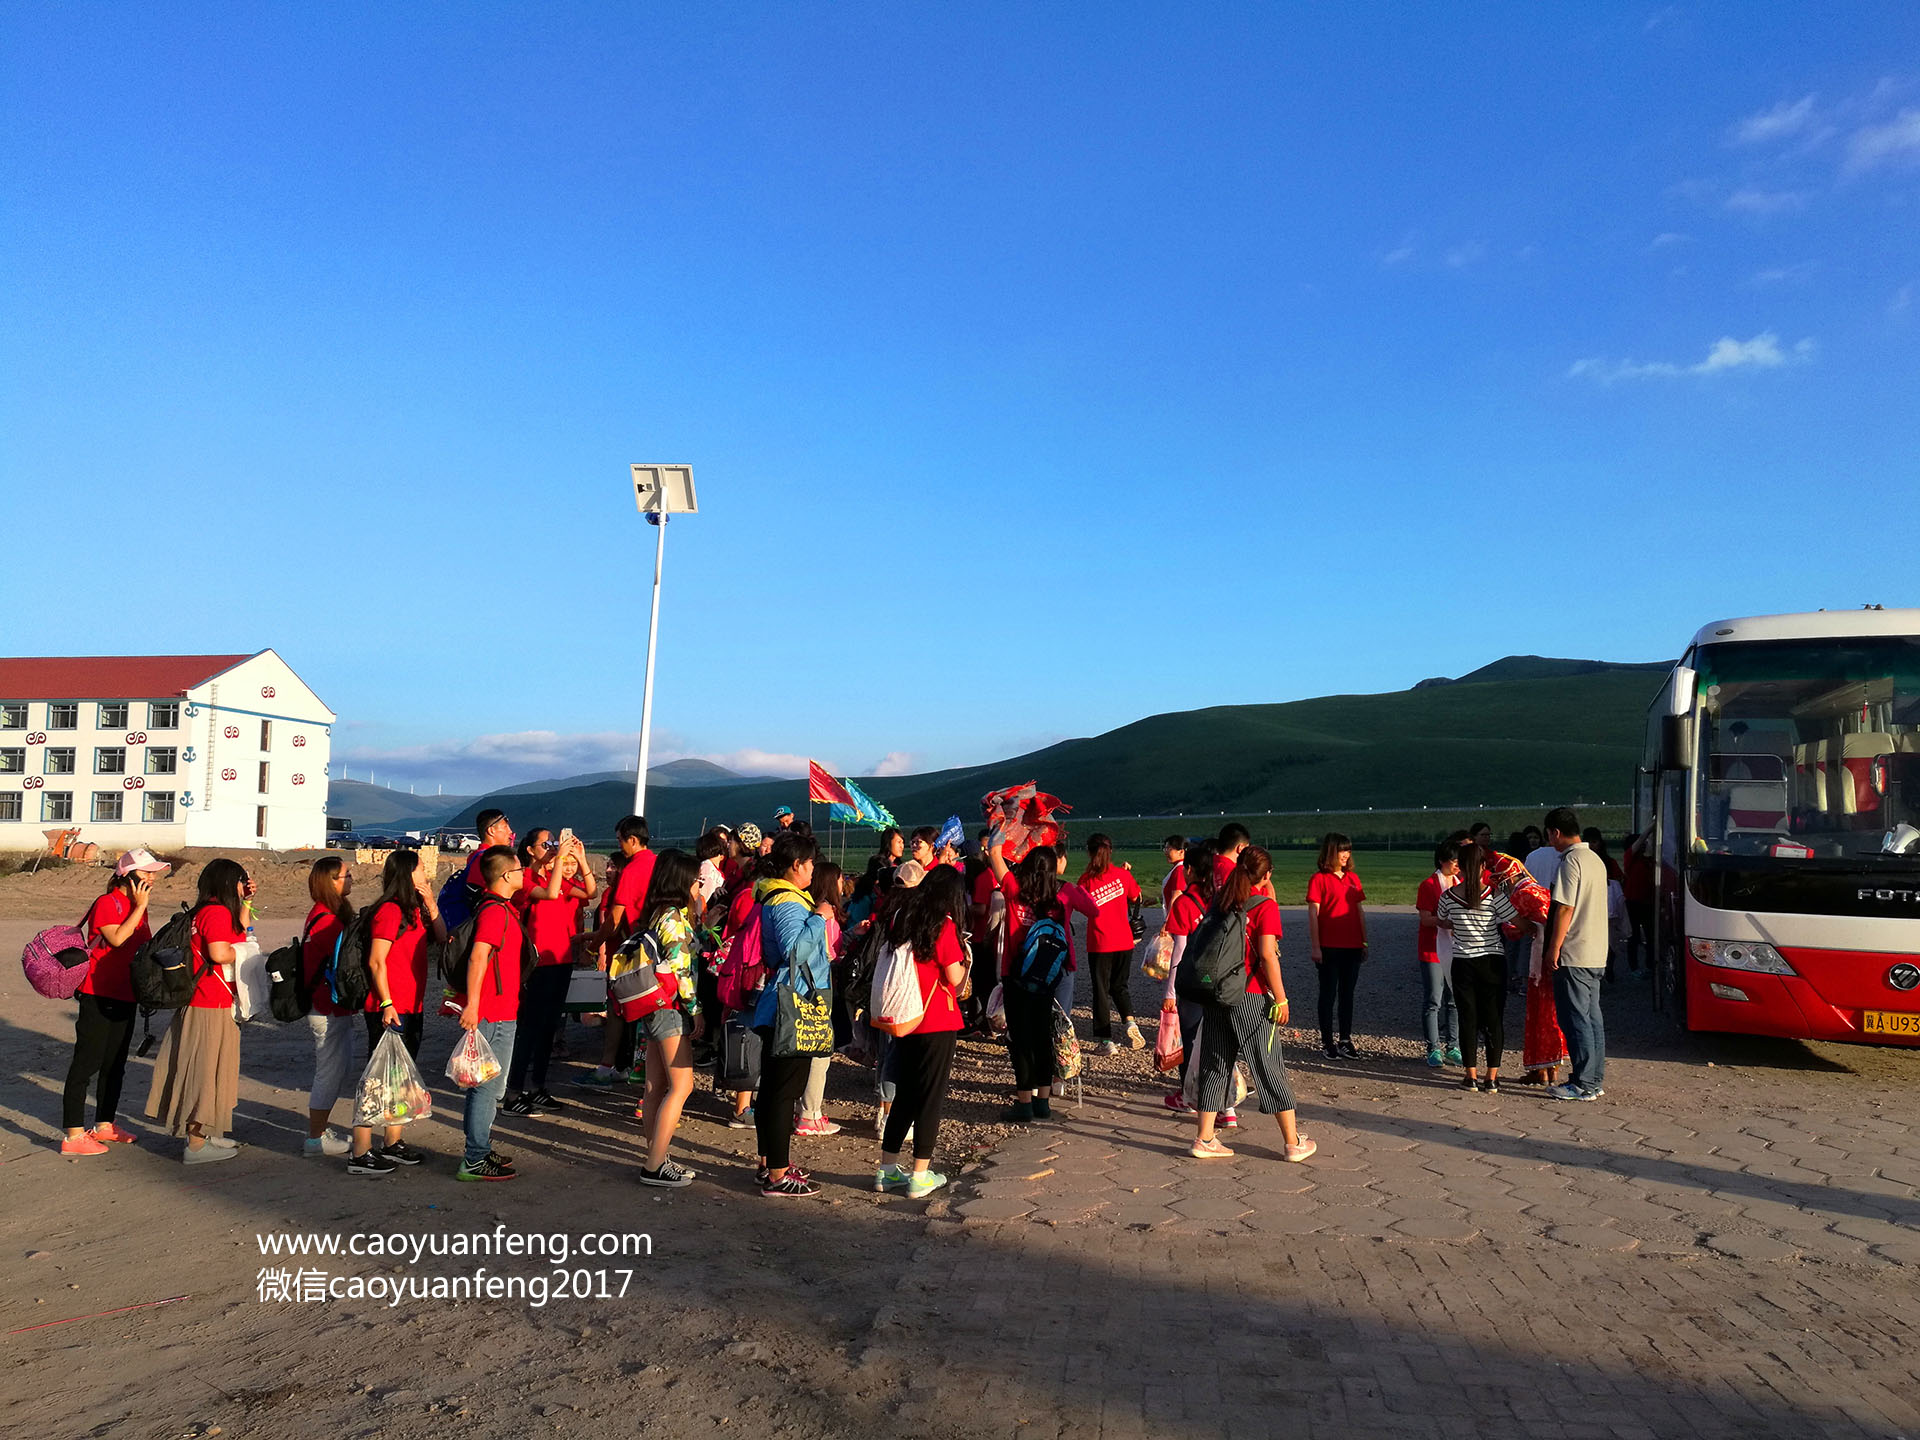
(1508, 734)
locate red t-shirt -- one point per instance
(406, 961)
(630, 890)
(943, 1011)
(553, 923)
(982, 898)
(1339, 898)
(212, 924)
(1427, 897)
(1185, 914)
(108, 966)
(1020, 916)
(1174, 884)
(1109, 929)
(323, 929)
(1222, 868)
(499, 926)
(1263, 918)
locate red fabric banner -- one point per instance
(823, 789)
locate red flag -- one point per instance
(823, 789)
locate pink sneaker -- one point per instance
(1228, 1120)
(818, 1125)
(1177, 1103)
(113, 1134)
(82, 1145)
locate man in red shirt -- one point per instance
(1234, 838)
(492, 1003)
(629, 894)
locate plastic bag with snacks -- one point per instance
(392, 1091)
(473, 1062)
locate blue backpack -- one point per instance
(456, 900)
(1043, 956)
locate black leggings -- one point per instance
(409, 1032)
(541, 1002)
(782, 1078)
(1111, 971)
(101, 1034)
(1480, 995)
(1339, 969)
(921, 1065)
(1030, 1037)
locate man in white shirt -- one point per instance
(1576, 954)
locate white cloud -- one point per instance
(1461, 256)
(1783, 274)
(1789, 117)
(1762, 352)
(1895, 142)
(1668, 237)
(894, 762)
(1902, 298)
(486, 762)
(1751, 201)
(1400, 254)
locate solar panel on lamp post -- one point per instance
(661, 491)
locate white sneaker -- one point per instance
(328, 1142)
(1106, 1047)
(1058, 1090)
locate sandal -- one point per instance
(1209, 1150)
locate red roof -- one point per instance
(108, 677)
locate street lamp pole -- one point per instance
(661, 491)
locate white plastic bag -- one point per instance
(1238, 1088)
(997, 1010)
(391, 1091)
(898, 1007)
(473, 1062)
(252, 985)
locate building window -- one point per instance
(56, 806)
(163, 715)
(9, 804)
(260, 822)
(13, 759)
(159, 805)
(163, 760)
(106, 807)
(113, 714)
(13, 716)
(263, 777)
(61, 759)
(266, 737)
(63, 715)
(110, 760)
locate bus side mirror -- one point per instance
(1676, 742)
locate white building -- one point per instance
(228, 751)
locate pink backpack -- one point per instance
(56, 961)
(740, 972)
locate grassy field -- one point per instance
(1391, 877)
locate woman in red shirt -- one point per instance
(1110, 943)
(329, 882)
(402, 918)
(196, 1080)
(1248, 1030)
(116, 927)
(929, 919)
(1190, 903)
(1337, 929)
(1033, 889)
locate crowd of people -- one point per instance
(756, 956)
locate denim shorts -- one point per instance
(666, 1024)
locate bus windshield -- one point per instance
(1809, 750)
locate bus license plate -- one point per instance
(1890, 1022)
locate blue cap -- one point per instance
(783, 810)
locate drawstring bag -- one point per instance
(473, 1062)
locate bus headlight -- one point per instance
(1740, 955)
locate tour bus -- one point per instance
(1780, 791)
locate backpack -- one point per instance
(741, 970)
(1043, 956)
(1213, 971)
(451, 958)
(635, 986)
(287, 972)
(737, 1065)
(456, 900)
(897, 1006)
(163, 974)
(346, 974)
(56, 961)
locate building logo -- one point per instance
(299, 742)
(1904, 976)
(266, 692)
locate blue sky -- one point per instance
(1041, 367)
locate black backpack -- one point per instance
(451, 958)
(163, 973)
(287, 968)
(1043, 955)
(346, 974)
(1213, 969)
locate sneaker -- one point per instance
(922, 1183)
(1593, 1094)
(1135, 1040)
(1490, 1086)
(1297, 1153)
(82, 1144)
(1058, 1089)
(760, 1173)
(597, 1080)
(371, 1163)
(1042, 1110)
(332, 1143)
(491, 1168)
(401, 1153)
(207, 1154)
(546, 1101)
(1435, 1059)
(1106, 1047)
(1177, 1103)
(1568, 1091)
(1227, 1120)
(1347, 1050)
(889, 1177)
(742, 1121)
(668, 1177)
(520, 1105)
(223, 1142)
(1332, 1051)
(818, 1125)
(788, 1187)
(1020, 1114)
(497, 1158)
(1209, 1150)
(1454, 1057)
(113, 1134)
